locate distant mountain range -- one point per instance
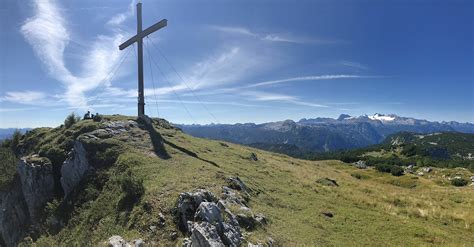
(323, 134)
(6, 133)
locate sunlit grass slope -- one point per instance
(368, 207)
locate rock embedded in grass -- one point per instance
(327, 182)
(237, 184)
(253, 157)
(205, 234)
(187, 205)
(327, 214)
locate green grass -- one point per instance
(377, 209)
(7, 167)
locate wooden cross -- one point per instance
(139, 39)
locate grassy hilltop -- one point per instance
(141, 172)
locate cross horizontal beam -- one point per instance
(144, 33)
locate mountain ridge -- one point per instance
(324, 134)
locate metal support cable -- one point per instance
(179, 75)
(171, 87)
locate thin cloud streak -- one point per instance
(263, 96)
(305, 78)
(354, 65)
(23, 97)
(283, 81)
(274, 37)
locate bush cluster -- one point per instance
(133, 190)
(71, 119)
(459, 182)
(395, 170)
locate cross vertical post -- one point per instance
(141, 94)
(139, 40)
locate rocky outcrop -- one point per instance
(187, 205)
(360, 164)
(74, 168)
(14, 215)
(117, 241)
(205, 234)
(210, 222)
(37, 183)
(22, 204)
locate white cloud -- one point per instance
(24, 97)
(273, 37)
(282, 81)
(305, 78)
(48, 34)
(354, 65)
(16, 109)
(121, 17)
(264, 96)
(229, 66)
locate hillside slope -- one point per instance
(138, 173)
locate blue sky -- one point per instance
(237, 61)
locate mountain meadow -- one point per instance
(143, 182)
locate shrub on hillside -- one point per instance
(133, 190)
(459, 182)
(383, 167)
(70, 120)
(396, 170)
(7, 166)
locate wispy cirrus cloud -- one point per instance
(306, 78)
(48, 33)
(274, 37)
(354, 65)
(23, 97)
(121, 17)
(265, 96)
(284, 81)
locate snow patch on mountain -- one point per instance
(382, 117)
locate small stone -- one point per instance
(236, 183)
(253, 157)
(173, 236)
(161, 219)
(360, 164)
(117, 241)
(427, 169)
(187, 242)
(153, 228)
(261, 219)
(270, 242)
(138, 243)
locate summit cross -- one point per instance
(138, 38)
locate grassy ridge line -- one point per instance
(376, 209)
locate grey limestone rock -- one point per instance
(74, 168)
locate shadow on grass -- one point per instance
(158, 142)
(158, 145)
